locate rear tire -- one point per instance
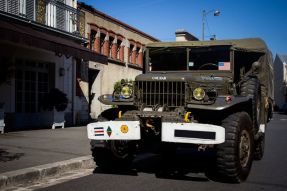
(234, 157)
(259, 147)
(251, 87)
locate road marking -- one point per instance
(283, 119)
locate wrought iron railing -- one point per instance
(52, 13)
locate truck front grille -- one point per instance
(151, 93)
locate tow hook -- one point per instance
(149, 124)
(201, 148)
(187, 117)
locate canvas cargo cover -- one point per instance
(247, 44)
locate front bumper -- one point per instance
(114, 130)
(194, 133)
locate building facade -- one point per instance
(280, 82)
(124, 47)
(41, 45)
(64, 45)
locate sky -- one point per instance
(266, 19)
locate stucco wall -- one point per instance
(104, 83)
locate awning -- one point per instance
(30, 35)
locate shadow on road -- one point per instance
(7, 156)
(186, 164)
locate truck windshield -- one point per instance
(189, 58)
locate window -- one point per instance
(102, 41)
(209, 58)
(92, 40)
(168, 59)
(32, 84)
(137, 55)
(189, 58)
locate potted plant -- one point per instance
(57, 102)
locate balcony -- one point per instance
(53, 14)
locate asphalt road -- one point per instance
(268, 174)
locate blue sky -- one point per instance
(266, 19)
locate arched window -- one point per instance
(92, 39)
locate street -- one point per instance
(267, 174)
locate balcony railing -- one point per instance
(52, 13)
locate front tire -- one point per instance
(112, 155)
(234, 157)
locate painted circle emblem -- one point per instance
(124, 128)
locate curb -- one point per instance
(32, 174)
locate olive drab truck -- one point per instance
(206, 94)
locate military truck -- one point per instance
(206, 94)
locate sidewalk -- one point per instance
(26, 149)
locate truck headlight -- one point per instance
(126, 91)
(198, 94)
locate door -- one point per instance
(95, 92)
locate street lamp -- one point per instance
(204, 14)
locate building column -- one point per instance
(122, 52)
(127, 52)
(89, 40)
(106, 45)
(140, 57)
(97, 42)
(115, 48)
(134, 55)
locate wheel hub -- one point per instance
(120, 148)
(244, 148)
